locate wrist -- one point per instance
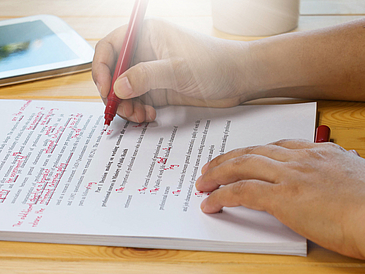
(267, 70)
(358, 234)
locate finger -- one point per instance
(127, 111)
(253, 194)
(353, 151)
(150, 113)
(105, 56)
(245, 167)
(146, 76)
(294, 144)
(101, 72)
(137, 111)
(274, 152)
(125, 108)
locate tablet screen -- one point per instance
(31, 44)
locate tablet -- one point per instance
(38, 47)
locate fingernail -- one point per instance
(123, 88)
(149, 118)
(197, 183)
(203, 204)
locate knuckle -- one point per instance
(250, 149)
(314, 154)
(243, 193)
(244, 160)
(151, 22)
(142, 76)
(333, 146)
(98, 45)
(216, 161)
(179, 64)
(324, 151)
(281, 142)
(102, 46)
(290, 189)
(239, 189)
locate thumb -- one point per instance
(145, 76)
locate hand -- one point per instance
(318, 190)
(171, 66)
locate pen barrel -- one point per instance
(111, 108)
(126, 55)
(130, 40)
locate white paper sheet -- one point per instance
(64, 181)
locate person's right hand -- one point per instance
(171, 66)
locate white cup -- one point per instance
(255, 17)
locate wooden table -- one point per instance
(93, 20)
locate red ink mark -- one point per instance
(142, 190)
(77, 132)
(20, 113)
(89, 185)
(56, 133)
(51, 187)
(14, 173)
(201, 193)
(53, 143)
(36, 121)
(139, 125)
(19, 223)
(37, 191)
(25, 212)
(171, 167)
(176, 192)
(40, 211)
(109, 132)
(45, 188)
(3, 194)
(36, 221)
(120, 189)
(47, 118)
(154, 191)
(49, 130)
(25, 105)
(161, 160)
(51, 146)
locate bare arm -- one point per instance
(177, 66)
(323, 64)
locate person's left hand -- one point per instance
(318, 190)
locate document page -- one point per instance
(61, 174)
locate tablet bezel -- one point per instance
(71, 39)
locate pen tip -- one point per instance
(105, 128)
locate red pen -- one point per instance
(125, 57)
(322, 134)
